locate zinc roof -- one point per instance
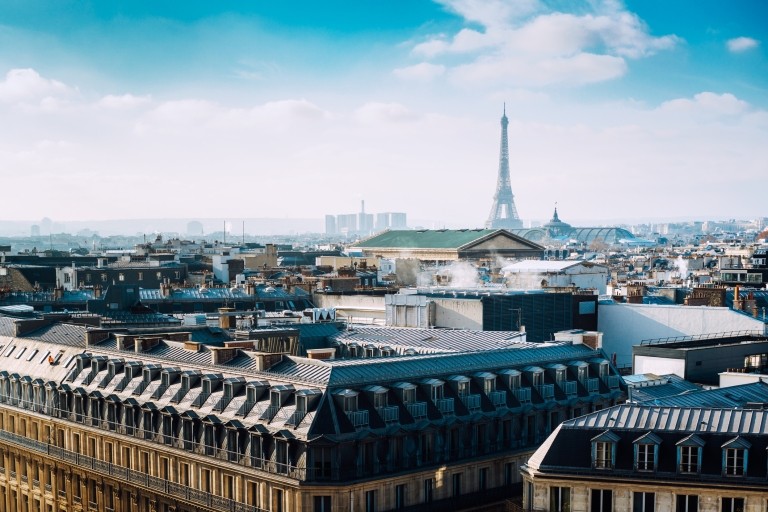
(426, 239)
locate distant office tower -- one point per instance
(397, 220)
(390, 220)
(35, 231)
(365, 220)
(330, 224)
(346, 223)
(382, 221)
(503, 212)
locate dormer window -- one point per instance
(689, 454)
(604, 450)
(350, 403)
(436, 392)
(647, 452)
(463, 388)
(735, 454)
(537, 378)
(409, 396)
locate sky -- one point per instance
(646, 109)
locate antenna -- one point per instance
(243, 232)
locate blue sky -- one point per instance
(637, 110)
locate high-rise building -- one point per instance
(330, 224)
(503, 212)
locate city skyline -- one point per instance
(635, 110)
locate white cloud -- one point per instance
(422, 72)
(375, 112)
(709, 103)
(27, 86)
(533, 44)
(123, 102)
(578, 69)
(741, 44)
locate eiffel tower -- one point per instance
(503, 212)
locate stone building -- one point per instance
(176, 420)
(646, 458)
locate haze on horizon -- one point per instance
(129, 110)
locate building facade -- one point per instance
(646, 458)
(154, 421)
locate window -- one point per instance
(456, 484)
(429, 484)
(732, 505)
(735, 454)
(252, 496)
(205, 480)
(602, 500)
(370, 501)
(400, 496)
(643, 502)
(603, 451)
(482, 479)
(689, 454)
(646, 452)
(228, 486)
(559, 499)
(509, 473)
(734, 462)
(687, 503)
(322, 504)
(141, 276)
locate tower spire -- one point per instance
(503, 212)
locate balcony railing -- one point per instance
(296, 418)
(245, 408)
(417, 409)
(389, 414)
(444, 405)
(358, 418)
(498, 398)
(613, 382)
(523, 395)
(471, 402)
(569, 387)
(593, 386)
(139, 478)
(547, 391)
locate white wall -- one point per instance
(659, 366)
(625, 325)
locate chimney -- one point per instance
(97, 291)
(737, 303)
(58, 293)
(321, 353)
(222, 355)
(226, 320)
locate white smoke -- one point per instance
(459, 274)
(682, 267)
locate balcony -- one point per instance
(523, 395)
(390, 414)
(359, 419)
(296, 418)
(270, 413)
(547, 391)
(593, 386)
(471, 402)
(570, 388)
(444, 405)
(244, 409)
(417, 409)
(498, 398)
(613, 382)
